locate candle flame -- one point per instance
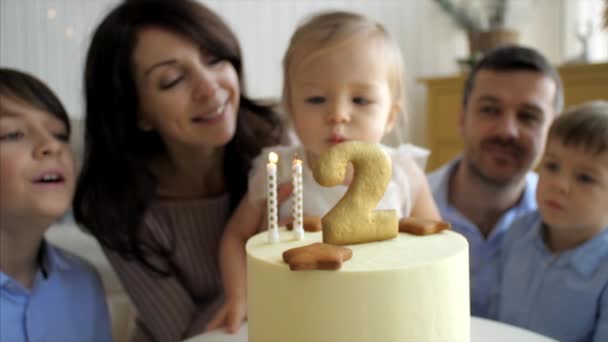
(296, 159)
(273, 157)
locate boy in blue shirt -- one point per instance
(46, 294)
(554, 261)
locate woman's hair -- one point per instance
(116, 185)
(584, 126)
(25, 87)
(326, 31)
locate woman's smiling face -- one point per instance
(188, 96)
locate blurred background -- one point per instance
(49, 38)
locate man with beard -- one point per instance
(510, 98)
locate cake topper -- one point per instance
(353, 220)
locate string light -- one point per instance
(69, 31)
(51, 13)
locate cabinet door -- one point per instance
(580, 91)
(581, 83)
(584, 82)
(443, 106)
(446, 152)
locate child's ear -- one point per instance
(391, 121)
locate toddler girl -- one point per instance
(343, 80)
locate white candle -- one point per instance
(298, 226)
(273, 227)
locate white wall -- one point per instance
(29, 40)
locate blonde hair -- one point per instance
(584, 126)
(329, 30)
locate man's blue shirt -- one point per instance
(66, 302)
(565, 295)
(483, 253)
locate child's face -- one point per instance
(188, 97)
(36, 164)
(573, 189)
(342, 94)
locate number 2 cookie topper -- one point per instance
(353, 220)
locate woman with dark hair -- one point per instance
(169, 139)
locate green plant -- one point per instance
(476, 16)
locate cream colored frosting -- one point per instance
(411, 288)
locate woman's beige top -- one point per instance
(170, 308)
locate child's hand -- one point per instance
(230, 316)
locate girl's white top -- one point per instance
(318, 200)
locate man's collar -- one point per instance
(4, 279)
(50, 259)
(526, 200)
(586, 258)
(40, 259)
(444, 175)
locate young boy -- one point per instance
(554, 262)
(46, 294)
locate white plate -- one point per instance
(482, 330)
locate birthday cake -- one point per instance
(411, 288)
(400, 287)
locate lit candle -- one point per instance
(298, 226)
(273, 227)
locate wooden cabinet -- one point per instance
(444, 96)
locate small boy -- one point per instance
(46, 294)
(554, 262)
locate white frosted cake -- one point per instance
(410, 288)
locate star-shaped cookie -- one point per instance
(421, 226)
(317, 256)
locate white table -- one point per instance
(482, 330)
